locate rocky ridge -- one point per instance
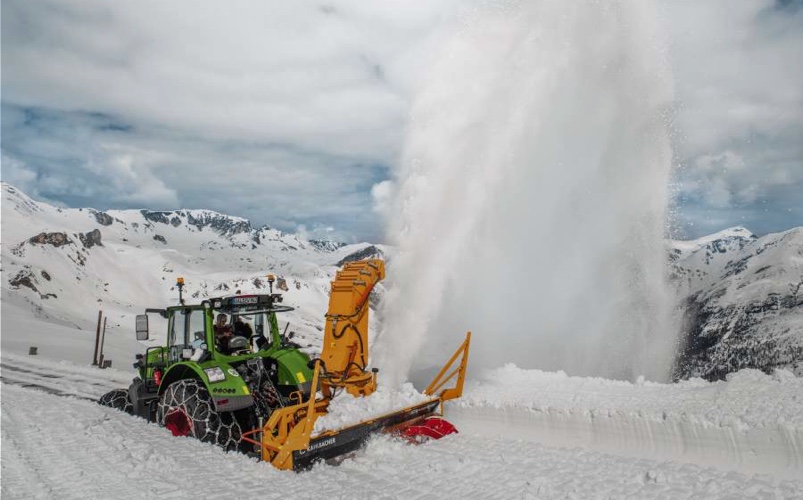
(742, 301)
(72, 260)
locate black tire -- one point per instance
(186, 409)
(117, 399)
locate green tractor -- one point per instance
(224, 369)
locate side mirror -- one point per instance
(142, 327)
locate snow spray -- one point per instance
(531, 197)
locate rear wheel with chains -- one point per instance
(186, 409)
(118, 399)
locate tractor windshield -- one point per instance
(258, 328)
(247, 323)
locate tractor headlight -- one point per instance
(215, 374)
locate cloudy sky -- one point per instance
(293, 114)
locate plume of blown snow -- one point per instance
(530, 201)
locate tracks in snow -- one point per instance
(59, 379)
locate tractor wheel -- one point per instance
(117, 399)
(186, 409)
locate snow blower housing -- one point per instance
(228, 375)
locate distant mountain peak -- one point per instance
(225, 225)
(736, 232)
(21, 200)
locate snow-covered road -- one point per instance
(61, 447)
(57, 446)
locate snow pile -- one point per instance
(345, 410)
(752, 422)
(747, 399)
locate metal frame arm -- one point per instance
(441, 379)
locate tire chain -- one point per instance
(191, 397)
(118, 399)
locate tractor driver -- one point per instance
(222, 332)
(242, 328)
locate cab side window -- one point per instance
(185, 331)
(176, 334)
(196, 328)
(177, 330)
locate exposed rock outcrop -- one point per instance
(90, 239)
(103, 218)
(25, 278)
(55, 239)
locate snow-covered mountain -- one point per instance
(743, 302)
(741, 295)
(65, 264)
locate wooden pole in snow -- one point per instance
(97, 340)
(102, 338)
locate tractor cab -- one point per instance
(246, 324)
(223, 327)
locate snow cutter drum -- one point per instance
(429, 428)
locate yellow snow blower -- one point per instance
(288, 439)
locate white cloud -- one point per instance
(736, 71)
(17, 172)
(382, 196)
(333, 79)
(309, 103)
(279, 95)
(130, 180)
(739, 123)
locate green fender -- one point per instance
(294, 371)
(228, 394)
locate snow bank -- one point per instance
(752, 422)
